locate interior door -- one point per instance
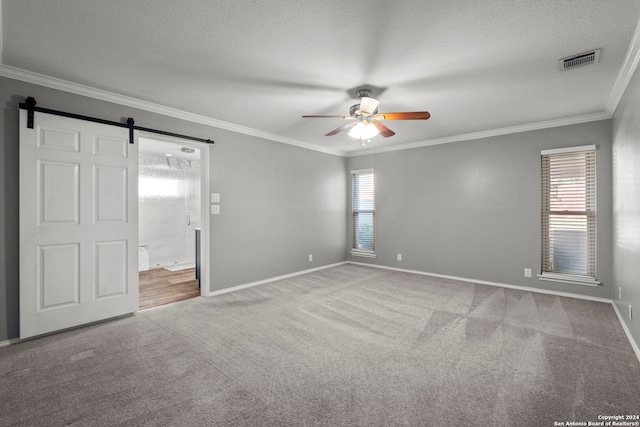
(78, 223)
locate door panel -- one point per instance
(78, 224)
(110, 194)
(59, 190)
(59, 139)
(112, 147)
(111, 268)
(59, 283)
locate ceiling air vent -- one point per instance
(579, 60)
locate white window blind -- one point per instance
(569, 214)
(363, 211)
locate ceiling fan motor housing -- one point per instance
(363, 92)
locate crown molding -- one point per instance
(78, 89)
(625, 74)
(487, 134)
(103, 95)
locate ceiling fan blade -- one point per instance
(327, 117)
(341, 128)
(368, 105)
(409, 115)
(384, 131)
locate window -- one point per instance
(569, 215)
(363, 212)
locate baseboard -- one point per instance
(633, 342)
(9, 342)
(272, 279)
(484, 282)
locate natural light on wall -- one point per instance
(158, 187)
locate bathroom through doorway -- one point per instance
(170, 217)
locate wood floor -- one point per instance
(160, 286)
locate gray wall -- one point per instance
(626, 205)
(472, 209)
(279, 203)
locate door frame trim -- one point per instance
(205, 225)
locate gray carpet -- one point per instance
(344, 346)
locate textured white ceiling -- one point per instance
(475, 65)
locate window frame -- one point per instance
(355, 212)
(589, 278)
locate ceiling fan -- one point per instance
(364, 119)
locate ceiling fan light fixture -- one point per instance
(363, 130)
(368, 105)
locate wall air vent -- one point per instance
(579, 60)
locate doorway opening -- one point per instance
(172, 220)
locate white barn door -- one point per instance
(78, 223)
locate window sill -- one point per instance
(363, 254)
(568, 278)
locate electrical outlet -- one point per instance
(630, 313)
(619, 292)
(527, 272)
(310, 257)
(399, 257)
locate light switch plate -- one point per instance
(215, 197)
(215, 209)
